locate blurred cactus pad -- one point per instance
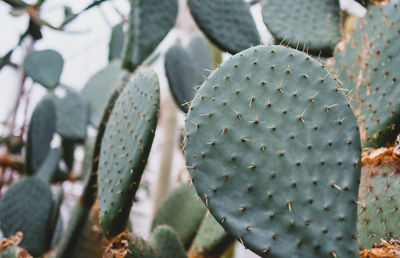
(200, 129)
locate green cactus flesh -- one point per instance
(297, 23)
(72, 117)
(369, 63)
(211, 240)
(227, 23)
(49, 169)
(163, 243)
(200, 50)
(149, 22)
(116, 43)
(273, 150)
(40, 134)
(44, 67)
(27, 207)
(183, 75)
(187, 221)
(98, 90)
(379, 200)
(126, 145)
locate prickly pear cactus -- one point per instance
(200, 50)
(27, 207)
(183, 75)
(298, 23)
(273, 150)
(40, 133)
(49, 168)
(150, 21)
(379, 200)
(163, 243)
(227, 23)
(99, 88)
(72, 117)
(187, 221)
(125, 148)
(44, 67)
(369, 62)
(211, 239)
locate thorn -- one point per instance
(280, 87)
(329, 107)
(280, 44)
(206, 198)
(290, 206)
(237, 113)
(223, 131)
(313, 96)
(301, 117)
(251, 101)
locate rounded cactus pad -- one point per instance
(227, 23)
(370, 61)
(150, 21)
(273, 149)
(27, 207)
(298, 23)
(125, 148)
(379, 202)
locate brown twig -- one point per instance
(12, 161)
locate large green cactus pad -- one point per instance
(227, 23)
(312, 25)
(200, 50)
(44, 67)
(187, 221)
(150, 21)
(379, 200)
(125, 148)
(183, 75)
(369, 64)
(273, 149)
(99, 88)
(40, 134)
(27, 207)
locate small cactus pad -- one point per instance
(40, 134)
(379, 202)
(125, 148)
(27, 207)
(298, 23)
(150, 21)
(98, 90)
(72, 117)
(273, 150)
(44, 67)
(211, 240)
(183, 75)
(116, 43)
(227, 23)
(200, 50)
(49, 168)
(163, 243)
(369, 63)
(187, 221)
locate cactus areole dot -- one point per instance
(275, 155)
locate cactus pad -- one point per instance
(40, 134)
(211, 239)
(125, 148)
(49, 168)
(200, 50)
(150, 21)
(379, 200)
(27, 207)
(298, 23)
(227, 23)
(369, 62)
(273, 149)
(191, 212)
(99, 88)
(44, 67)
(72, 117)
(163, 243)
(183, 75)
